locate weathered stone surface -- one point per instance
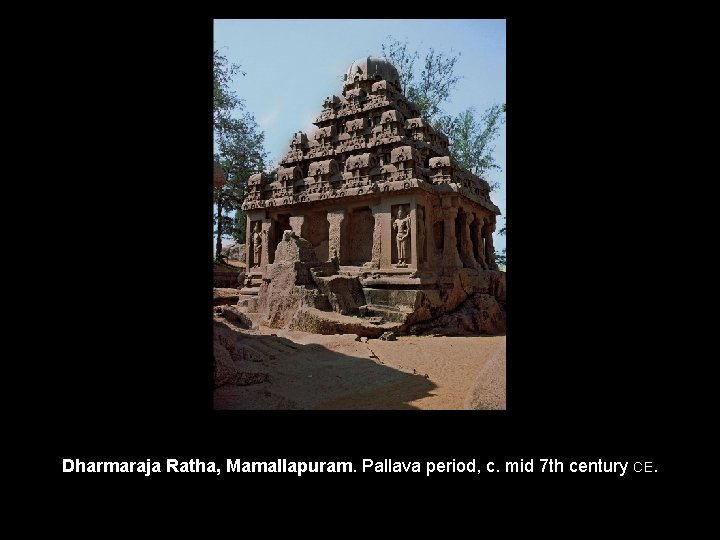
(344, 293)
(225, 276)
(293, 248)
(478, 314)
(428, 305)
(239, 353)
(225, 296)
(233, 314)
(328, 322)
(224, 366)
(237, 252)
(225, 371)
(388, 336)
(234, 251)
(283, 299)
(335, 218)
(377, 238)
(287, 277)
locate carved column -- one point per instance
(488, 231)
(296, 224)
(266, 230)
(335, 218)
(248, 243)
(480, 242)
(434, 251)
(451, 258)
(466, 248)
(412, 260)
(377, 213)
(420, 236)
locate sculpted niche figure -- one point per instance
(402, 226)
(257, 245)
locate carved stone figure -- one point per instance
(402, 226)
(257, 245)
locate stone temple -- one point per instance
(370, 225)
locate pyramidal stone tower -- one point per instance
(370, 225)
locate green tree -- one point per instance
(470, 135)
(471, 139)
(501, 258)
(431, 87)
(239, 150)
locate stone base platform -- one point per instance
(322, 298)
(328, 322)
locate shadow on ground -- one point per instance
(312, 376)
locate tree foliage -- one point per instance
(430, 88)
(403, 59)
(471, 138)
(500, 258)
(239, 150)
(470, 134)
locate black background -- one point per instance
(130, 375)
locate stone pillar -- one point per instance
(451, 258)
(377, 213)
(433, 215)
(248, 244)
(413, 261)
(266, 231)
(296, 224)
(488, 231)
(466, 247)
(476, 232)
(421, 236)
(335, 218)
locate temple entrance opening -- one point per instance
(357, 238)
(281, 222)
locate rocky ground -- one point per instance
(236, 263)
(267, 368)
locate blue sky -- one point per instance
(292, 65)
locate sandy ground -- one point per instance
(310, 371)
